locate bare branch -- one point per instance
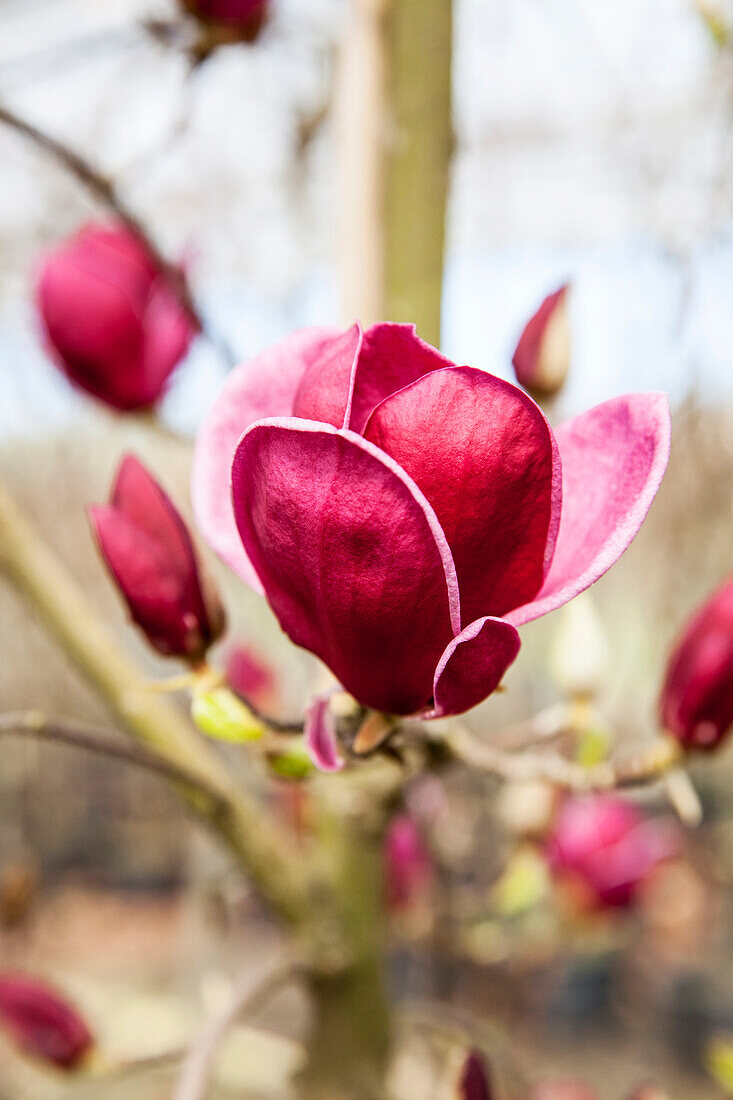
(247, 998)
(33, 724)
(652, 764)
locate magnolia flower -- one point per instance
(603, 844)
(41, 1022)
(696, 703)
(542, 357)
(404, 515)
(149, 552)
(241, 19)
(474, 1081)
(114, 324)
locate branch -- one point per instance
(259, 843)
(247, 999)
(103, 189)
(660, 758)
(34, 725)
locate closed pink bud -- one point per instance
(249, 676)
(408, 865)
(696, 704)
(42, 1023)
(562, 1090)
(113, 322)
(243, 18)
(474, 1082)
(149, 552)
(603, 844)
(542, 356)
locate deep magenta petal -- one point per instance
(483, 454)
(325, 387)
(265, 386)
(613, 460)
(473, 666)
(320, 735)
(474, 1082)
(351, 557)
(42, 1022)
(391, 357)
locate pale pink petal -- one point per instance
(264, 386)
(613, 460)
(320, 735)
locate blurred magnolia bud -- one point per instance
(249, 675)
(542, 357)
(408, 867)
(150, 554)
(474, 1081)
(113, 322)
(42, 1023)
(602, 846)
(696, 702)
(565, 1089)
(229, 20)
(579, 649)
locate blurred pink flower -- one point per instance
(113, 323)
(149, 552)
(542, 357)
(696, 704)
(41, 1022)
(250, 676)
(407, 863)
(404, 515)
(244, 18)
(604, 844)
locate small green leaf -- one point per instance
(522, 885)
(593, 748)
(719, 1060)
(292, 763)
(220, 714)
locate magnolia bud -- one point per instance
(149, 551)
(42, 1023)
(542, 357)
(113, 322)
(229, 20)
(603, 845)
(696, 703)
(408, 865)
(474, 1081)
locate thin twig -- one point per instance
(652, 764)
(33, 724)
(247, 999)
(103, 189)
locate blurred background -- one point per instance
(593, 145)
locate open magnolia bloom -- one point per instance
(404, 515)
